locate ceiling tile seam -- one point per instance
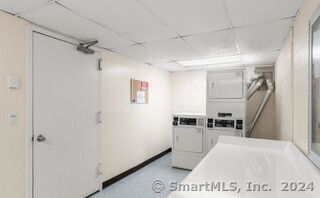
(232, 28)
(19, 14)
(147, 9)
(120, 47)
(148, 42)
(295, 17)
(202, 33)
(266, 22)
(206, 57)
(176, 61)
(197, 52)
(128, 56)
(84, 17)
(7, 12)
(170, 62)
(152, 64)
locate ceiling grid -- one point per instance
(232, 29)
(94, 22)
(168, 32)
(166, 25)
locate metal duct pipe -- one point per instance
(263, 105)
(252, 85)
(255, 88)
(253, 79)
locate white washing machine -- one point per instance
(226, 105)
(188, 147)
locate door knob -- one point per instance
(41, 138)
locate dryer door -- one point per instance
(188, 139)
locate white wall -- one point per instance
(189, 95)
(12, 138)
(284, 92)
(133, 133)
(293, 69)
(188, 92)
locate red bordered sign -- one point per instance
(144, 86)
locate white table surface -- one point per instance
(243, 160)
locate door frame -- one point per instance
(31, 28)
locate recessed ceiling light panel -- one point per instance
(211, 61)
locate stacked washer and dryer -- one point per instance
(228, 91)
(226, 109)
(194, 135)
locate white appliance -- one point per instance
(226, 105)
(188, 147)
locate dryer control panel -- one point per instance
(188, 121)
(225, 123)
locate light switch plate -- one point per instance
(13, 119)
(13, 82)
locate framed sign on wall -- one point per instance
(139, 92)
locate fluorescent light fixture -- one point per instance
(211, 61)
(218, 66)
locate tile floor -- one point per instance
(139, 184)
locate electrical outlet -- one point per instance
(12, 119)
(13, 82)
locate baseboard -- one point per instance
(134, 169)
(92, 194)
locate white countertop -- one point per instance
(244, 160)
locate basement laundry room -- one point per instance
(159, 98)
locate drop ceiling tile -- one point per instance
(263, 37)
(63, 20)
(17, 6)
(221, 43)
(172, 50)
(248, 12)
(140, 53)
(258, 59)
(189, 17)
(126, 17)
(170, 66)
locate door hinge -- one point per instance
(100, 117)
(99, 64)
(32, 138)
(100, 169)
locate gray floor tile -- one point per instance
(139, 184)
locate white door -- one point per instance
(65, 112)
(226, 85)
(188, 139)
(212, 137)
